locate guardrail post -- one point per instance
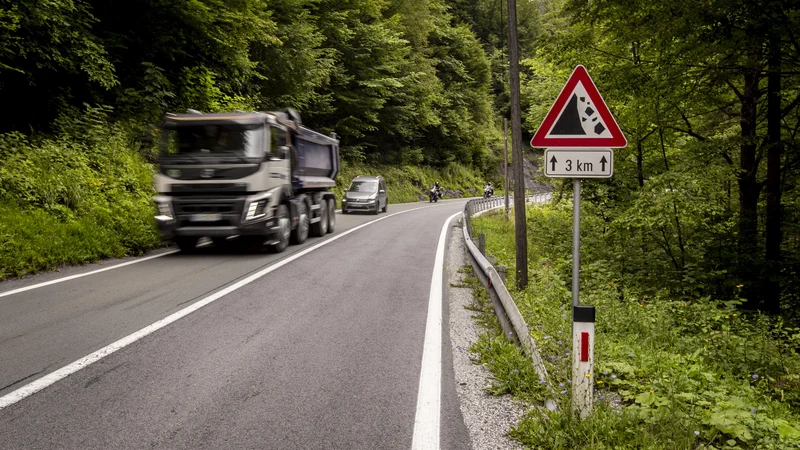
(482, 244)
(501, 270)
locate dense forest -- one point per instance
(401, 82)
(704, 200)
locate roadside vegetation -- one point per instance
(671, 370)
(75, 196)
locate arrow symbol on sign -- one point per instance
(553, 161)
(603, 163)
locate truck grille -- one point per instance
(209, 188)
(199, 206)
(195, 209)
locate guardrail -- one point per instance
(506, 310)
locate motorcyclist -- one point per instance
(437, 188)
(488, 189)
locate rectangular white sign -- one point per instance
(578, 163)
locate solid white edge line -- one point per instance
(72, 277)
(429, 396)
(53, 377)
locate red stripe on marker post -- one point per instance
(584, 346)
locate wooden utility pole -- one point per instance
(505, 163)
(521, 234)
(772, 299)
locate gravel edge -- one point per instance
(488, 418)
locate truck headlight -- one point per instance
(164, 212)
(256, 210)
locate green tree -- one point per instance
(50, 57)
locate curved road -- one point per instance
(319, 347)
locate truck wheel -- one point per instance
(377, 207)
(187, 244)
(332, 214)
(320, 228)
(284, 229)
(300, 234)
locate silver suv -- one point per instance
(365, 194)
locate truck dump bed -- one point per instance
(317, 159)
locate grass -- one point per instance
(669, 374)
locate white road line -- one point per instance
(49, 379)
(72, 277)
(429, 396)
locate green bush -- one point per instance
(670, 371)
(78, 196)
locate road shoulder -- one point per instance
(487, 418)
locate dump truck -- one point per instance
(261, 178)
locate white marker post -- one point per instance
(582, 359)
(578, 134)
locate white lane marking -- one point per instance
(429, 396)
(72, 277)
(51, 378)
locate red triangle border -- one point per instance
(617, 139)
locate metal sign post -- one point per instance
(582, 322)
(577, 133)
(576, 241)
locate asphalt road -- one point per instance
(323, 352)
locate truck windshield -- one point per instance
(369, 187)
(197, 141)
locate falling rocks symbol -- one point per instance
(578, 119)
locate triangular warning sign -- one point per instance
(579, 118)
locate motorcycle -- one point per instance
(434, 195)
(488, 192)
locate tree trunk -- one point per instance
(773, 225)
(749, 190)
(639, 164)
